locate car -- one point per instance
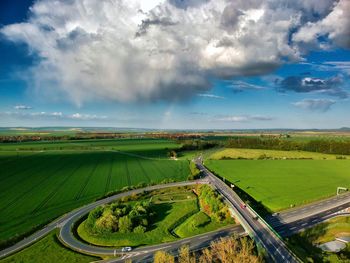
(126, 249)
(243, 206)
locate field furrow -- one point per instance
(86, 181)
(144, 172)
(18, 196)
(35, 188)
(54, 191)
(110, 171)
(127, 172)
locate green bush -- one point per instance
(195, 172)
(139, 229)
(118, 217)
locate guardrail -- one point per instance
(274, 232)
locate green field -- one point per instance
(147, 147)
(177, 212)
(269, 154)
(36, 187)
(304, 244)
(48, 249)
(197, 224)
(278, 184)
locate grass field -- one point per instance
(197, 224)
(281, 183)
(177, 216)
(156, 148)
(258, 153)
(36, 187)
(304, 243)
(48, 249)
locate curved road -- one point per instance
(285, 223)
(79, 212)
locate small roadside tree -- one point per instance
(125, 224)
(163, 257)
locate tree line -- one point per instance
(329, 146)
(225, 250)
(212, 204)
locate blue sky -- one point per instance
(162, 68)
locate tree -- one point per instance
(107, 223)
(125, 224)
(232, 250)
(172, 154)
(163, 257)
(139, 229)
(206, 256)
(184, 254)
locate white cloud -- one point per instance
(206, 95)
(239, 86)
(338, 65)
(243, 118)
(53, 115)
(335, 26)
(23, 107)
(321, 105)
(130, 50)
(78, 116)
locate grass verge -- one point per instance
(304, 244)
(48, 249)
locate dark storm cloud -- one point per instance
(329, 86)
(183, 4)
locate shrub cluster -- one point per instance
(195, 173)
(212, 204)
(118, 217)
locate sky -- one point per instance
(175, 64)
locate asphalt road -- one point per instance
(285, 223)
(66, 236)
(327, 206)
(65, 221)
(294, 227)
(195, 243)
(257, 229)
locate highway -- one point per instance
(306, 221)
(145, 254)
(327, 206)
(275, 247)
(285, 223)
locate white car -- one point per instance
(126, 249)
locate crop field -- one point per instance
(36, 187)
(146, 147)
(278, 184)
(262, 153)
